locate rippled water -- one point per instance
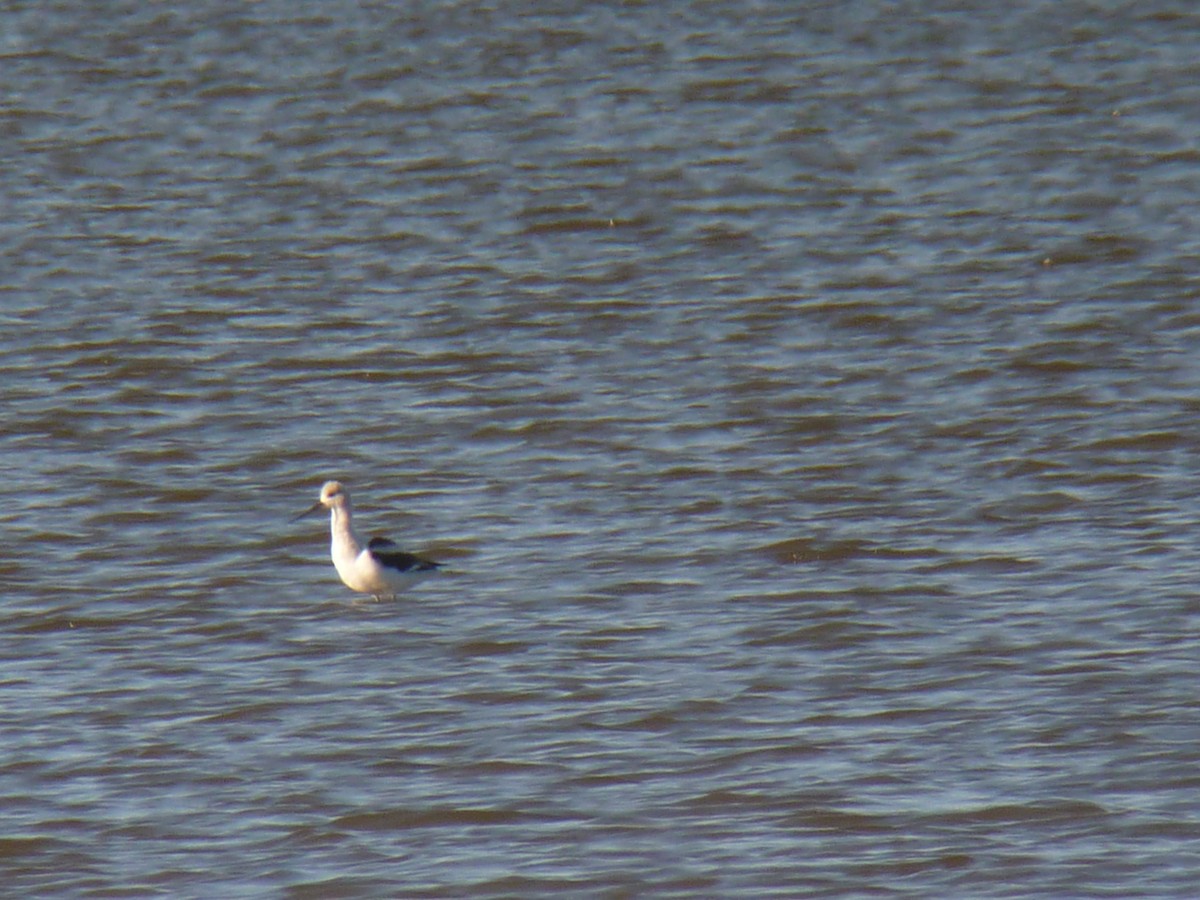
(802, 396)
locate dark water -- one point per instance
(803, 397)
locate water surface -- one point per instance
(802, 397)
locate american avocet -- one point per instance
(382, 569)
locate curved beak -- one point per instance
(311, 509)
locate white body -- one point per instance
(381, 572)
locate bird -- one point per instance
(381, 569)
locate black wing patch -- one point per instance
(390, 555)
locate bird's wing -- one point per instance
(388, 553)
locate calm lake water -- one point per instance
(803, 397)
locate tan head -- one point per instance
(333, 494)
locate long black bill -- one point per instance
(311, 509)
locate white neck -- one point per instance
(345, 545)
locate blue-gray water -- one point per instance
(803, 396)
